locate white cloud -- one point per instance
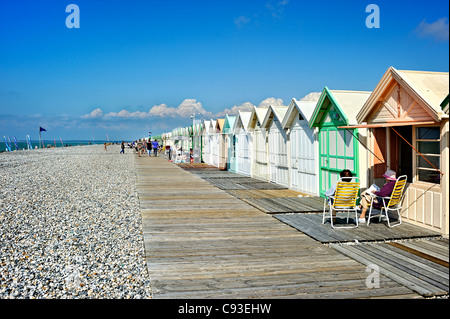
(313, 96)
(438, 30)
(94, 114)
(248, 106)
(128, 114)
(241, 21)
(271, 101)
(185, 109)
(276, 8)
(244, 107)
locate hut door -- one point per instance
(337, 151)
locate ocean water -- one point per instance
(22, 144)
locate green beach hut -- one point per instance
(339, 148)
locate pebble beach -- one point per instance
(70, 225)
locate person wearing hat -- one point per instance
(385, 191)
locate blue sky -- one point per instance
(138, 66)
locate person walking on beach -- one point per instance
(105, 147)
(123, 148)
(155, 147)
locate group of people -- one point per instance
(147, 147)
(366, 197)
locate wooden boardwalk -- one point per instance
(420, 265)
(202, 242)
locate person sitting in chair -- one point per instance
(385, 191)
(343, 174)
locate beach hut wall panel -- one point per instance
(405, 117)
(221, 144)
(206, 144)
(214, 149)
(277, 145)
(243, 144)
(339, 148)
(260, 141)
(228, 127)
(303, 144)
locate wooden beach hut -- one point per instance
(277, 150)
(228, 127)
(221, 145)
(206, 143)
(214, 145)
(407, 116)
(243, 144)
(302, 147)
(259, 138)
(339, 148)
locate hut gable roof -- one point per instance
(406, 96)
(242, 121)
(229, 123)
(346, 103)
(219, 125)
(304, 108)
(258, 114)
(274, 111)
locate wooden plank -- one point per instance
(422, 253)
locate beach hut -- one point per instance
(277, 150)
(407, 115)
(197, 142)
(302, 147)
(228, 127)
(259, 138)
(339, 148)
(214, 147)
(206, 145)
(243, 144)
(221, 145)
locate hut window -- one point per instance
(428, 143)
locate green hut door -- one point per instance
(337, 151)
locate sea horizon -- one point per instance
(22, 144)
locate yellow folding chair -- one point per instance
(391, 203)
(343, 200)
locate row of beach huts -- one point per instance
(402, 125)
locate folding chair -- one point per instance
(391, 203)
(343, 200)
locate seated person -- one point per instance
(343, 174)
(385, 191)
(346, 176)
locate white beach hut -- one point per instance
(214, 145)
(302, 147)
(277, 145)
(243, 144)
(259, 138)
(206, 143)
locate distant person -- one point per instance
(155, 147)
(105, 146)
(122, 148)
